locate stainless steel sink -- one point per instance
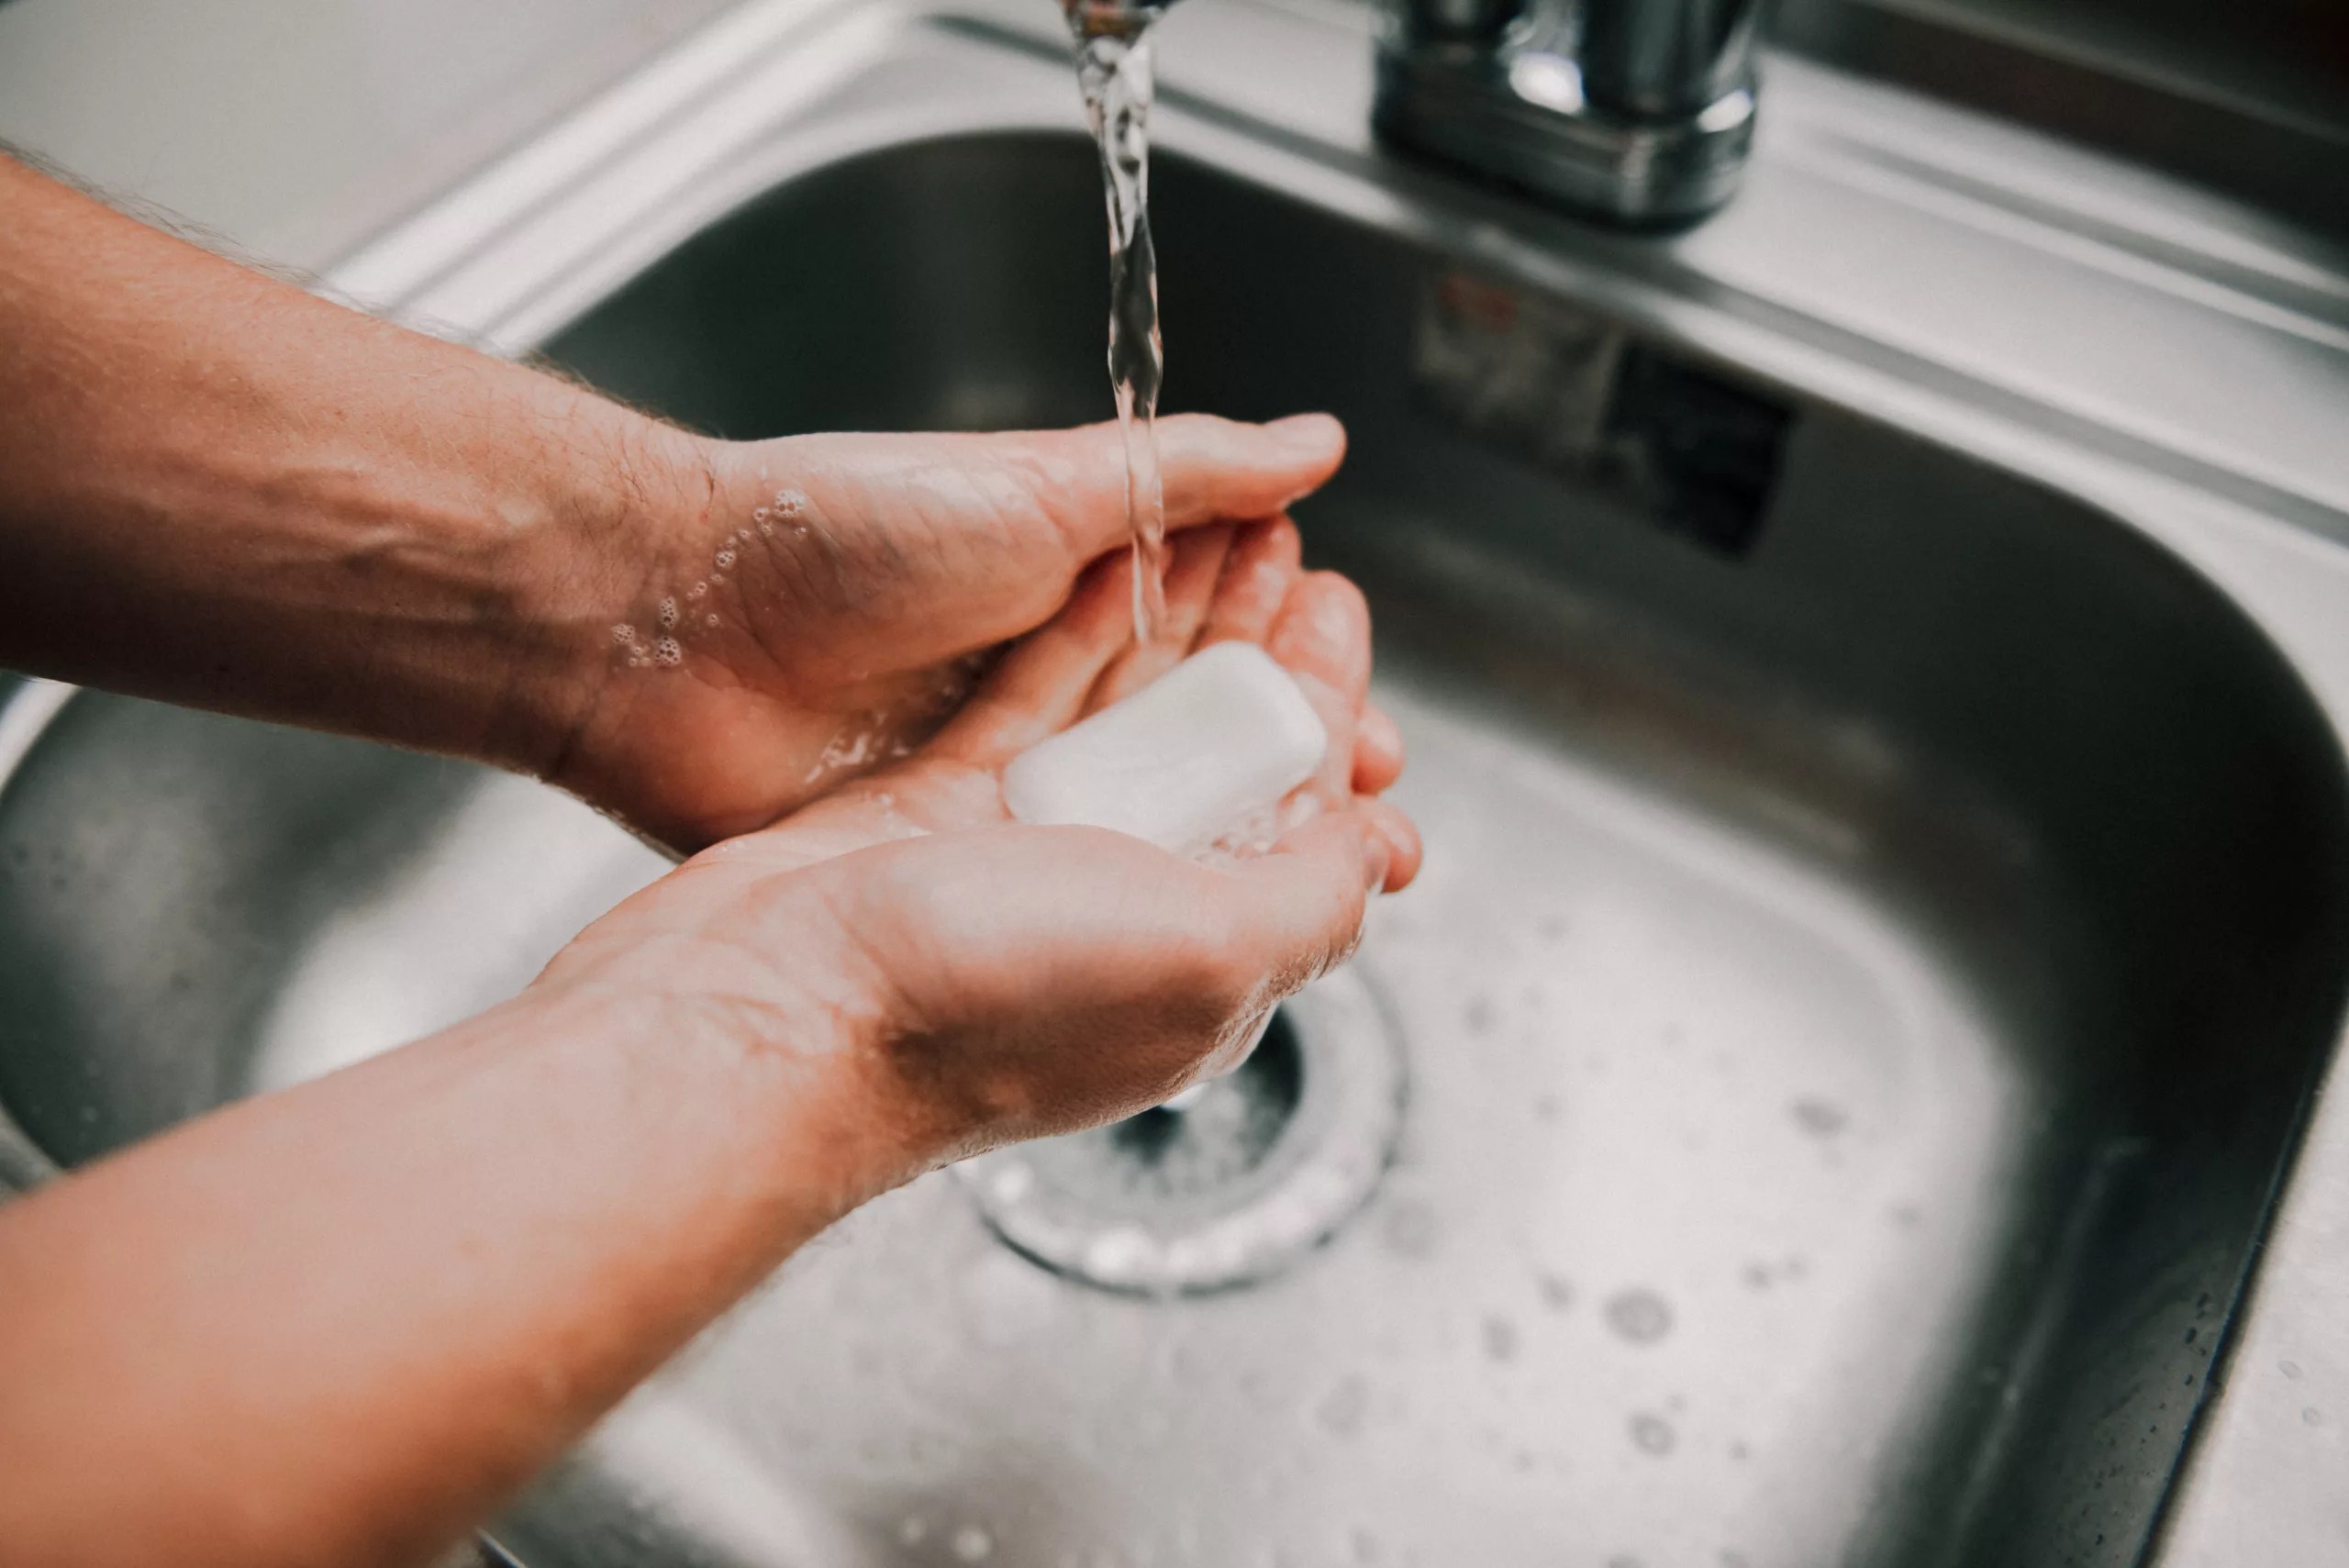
(1884, 914)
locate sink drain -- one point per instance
(1254, 1169)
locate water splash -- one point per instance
(1639, 1315)
(1115, 70)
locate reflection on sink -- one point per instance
(1855, 1009)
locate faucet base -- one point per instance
(1519, 115)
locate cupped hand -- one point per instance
(976, 981)
(809, 608)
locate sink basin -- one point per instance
(1882, 918)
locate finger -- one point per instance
(1322, 638)
(1378, 750)
(1257, 577)
(1404, 852)
(1040, 687)
(1194, 567)
(1212, 470)
(1301, 906)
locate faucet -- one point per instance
(1638, 112)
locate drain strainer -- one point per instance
(1255, 1169)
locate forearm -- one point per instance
(336, 1325)
(215, 489)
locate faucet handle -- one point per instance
(1665, 59)
(1636, 111)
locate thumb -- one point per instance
(1213, 469)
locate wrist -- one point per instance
(588, 565)
(732, 982)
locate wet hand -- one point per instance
(812, 607)
(971, 980)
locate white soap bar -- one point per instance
(1220, 737)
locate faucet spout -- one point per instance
(1090, 19)
(1638, 112)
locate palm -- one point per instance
(1224, 583)
(825, 623)
(978, 923)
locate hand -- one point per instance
(988, 981)
(812, 607)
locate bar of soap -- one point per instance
(1218, 738)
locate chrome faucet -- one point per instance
(1635, 111)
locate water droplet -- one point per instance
(1481, 1016)
(1409, 1228)
(1557, 1292)
(1342, 1410)
(972, 1544)
(1639, 1315)
(2289, 1369)
(1819, 1118)
(2313, 1416)
(1652, 1434)
(912, 1529)
(1501, 1339)
(1755, 1276)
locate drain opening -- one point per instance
(1253, 1170)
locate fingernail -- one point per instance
(1305, 432)
(1376, 856)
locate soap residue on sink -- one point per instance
(1114, 72)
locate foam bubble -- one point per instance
(668, 653)
(668, 614)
